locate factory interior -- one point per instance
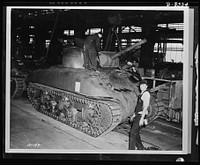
(47, 53)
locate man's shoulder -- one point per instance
(146, 94)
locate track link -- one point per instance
(91, 115)
(17, 87)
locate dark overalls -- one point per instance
(91, 48)
(134, 139)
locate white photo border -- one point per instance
(187, 77)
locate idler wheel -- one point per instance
(155, 109)
(98, 116)
(17, 87)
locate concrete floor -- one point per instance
(30, 129)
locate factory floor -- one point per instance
(31, 130)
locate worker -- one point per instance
(133, 69)
(91, 49)
(138, 120)
(62, 44)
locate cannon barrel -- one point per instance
(128, 49)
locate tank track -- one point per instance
(91, 115)
(156, 109)
(17, 86)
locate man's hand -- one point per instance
(142, 121)
(143, 113)
(132, 118)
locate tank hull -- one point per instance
(112, 84)
(89, 100)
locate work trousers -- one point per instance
(134, 136)
(90, 57)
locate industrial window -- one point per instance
(18, 39)
(47, 43)
(162, 25)
(123, 43)
(173, 47)
(134, 41)
(128, 29)
(31, 41)
(177, 26)
(69, 32)
(31, 27)
(128, 42)
(93, 31)
(159, 48)
(174, 52)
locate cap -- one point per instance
(143, 82)
(100, 34)
(130, 64)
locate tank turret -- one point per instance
(73, 57)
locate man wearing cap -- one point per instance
(138, 119)
(132, 68)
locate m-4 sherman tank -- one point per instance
(91, 101)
